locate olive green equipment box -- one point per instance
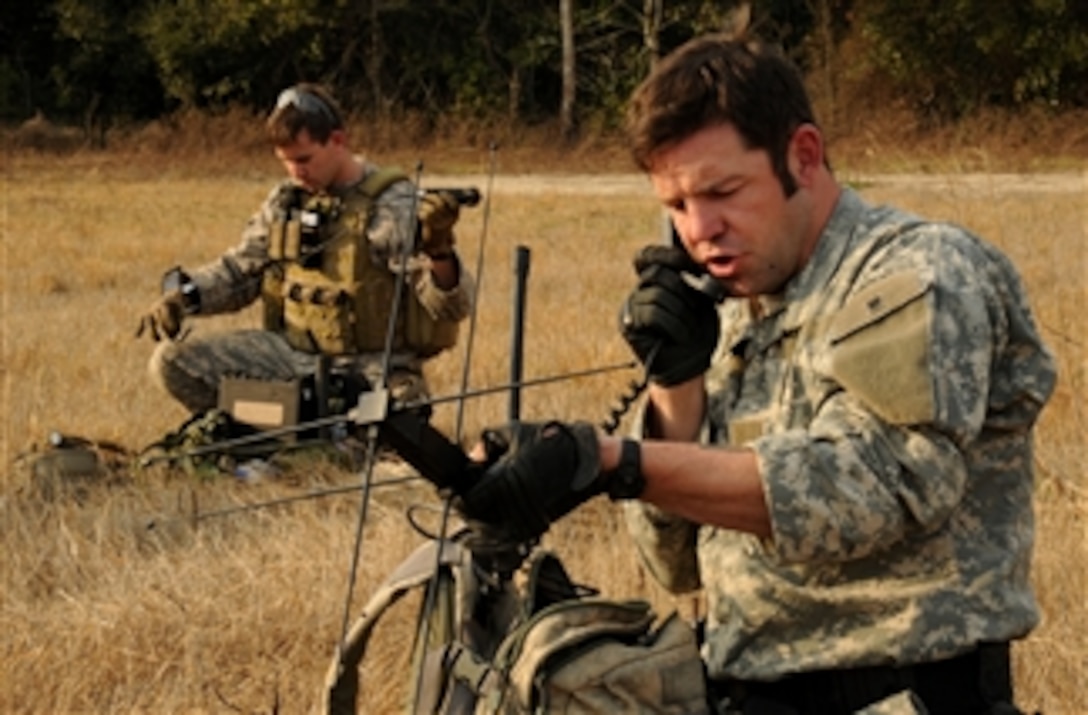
(262, 404)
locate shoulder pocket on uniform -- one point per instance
(880, 348)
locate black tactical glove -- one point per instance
(164, 317)
(438, 212)
(538, 472)
(671, 325)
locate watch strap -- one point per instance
(626, 480)
(190, 297)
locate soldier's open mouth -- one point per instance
(722, 266)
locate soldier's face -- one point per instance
(310, 164)
(731, 212)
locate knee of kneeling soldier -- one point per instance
(162, 362)
(165, 370)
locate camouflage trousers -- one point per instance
(191, 370)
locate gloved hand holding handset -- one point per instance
(670, 319)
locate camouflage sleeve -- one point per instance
(233, 281)
(665, 542)
(451, 305)
(888, 452)
(666, 545)
(392, 231)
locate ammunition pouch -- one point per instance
(319, 318)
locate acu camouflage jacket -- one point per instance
(890, 395)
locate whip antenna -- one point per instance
(372, 429)
(432, 586)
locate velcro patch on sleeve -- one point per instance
(748, 429)
(880, 343)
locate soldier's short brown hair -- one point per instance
(304, 106)
(714, 80)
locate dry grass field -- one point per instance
(101, 614)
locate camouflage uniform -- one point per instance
(191, 370)
(889, 394)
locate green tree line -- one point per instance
(99, 63)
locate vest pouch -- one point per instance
(275, 240)
(373, 302)
(272, 300)
(292, 239)
(318, 317)
(280, 235)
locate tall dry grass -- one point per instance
(241, 613)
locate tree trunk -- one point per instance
(513, 103)
(824, 20)
(566, 107)
(652, 11)
(374, 60)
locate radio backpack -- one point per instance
(544, 646)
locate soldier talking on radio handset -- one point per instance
(839, 455)
(322, 253)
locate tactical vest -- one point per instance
(325, 293)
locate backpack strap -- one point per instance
(547, 584)
(464, 663)
(342, 679)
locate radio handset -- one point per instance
(701, 281)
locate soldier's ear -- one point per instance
(338, 138)
(806, 153)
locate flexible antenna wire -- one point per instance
(447, 505)
(470, 340)
(372, 430)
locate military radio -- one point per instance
(316, 216)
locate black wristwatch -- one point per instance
(190, 297)
(626, 480)
(176, 279)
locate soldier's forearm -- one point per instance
(720, 486)
(224, 286)
(676, 413)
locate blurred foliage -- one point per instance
(953, 56)
(99, 63)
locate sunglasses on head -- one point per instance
(305, 102)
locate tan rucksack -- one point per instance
(595, 656)
(546, 645)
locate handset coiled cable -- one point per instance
(634, 390)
